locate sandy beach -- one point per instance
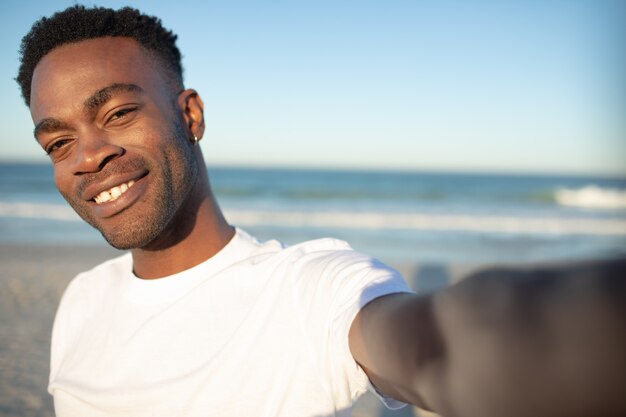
(32, 280)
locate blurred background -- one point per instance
(419, 131)
(434, 135)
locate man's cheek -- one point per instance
(60, 183)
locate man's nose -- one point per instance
(93, 153)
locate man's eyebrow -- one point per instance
(96, 100)
(49, 125)
(100, 97)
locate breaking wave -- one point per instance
(38, 211)
(592, 197)
(508, 224)
(431, 222)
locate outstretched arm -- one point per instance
(547, 341)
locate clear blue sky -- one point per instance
(525, 86)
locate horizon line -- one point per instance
(379, 169)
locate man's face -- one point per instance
(117, 138)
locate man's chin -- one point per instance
(121, 244)
(128, 240)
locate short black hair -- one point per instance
(78, 23)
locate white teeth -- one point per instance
(113, 193)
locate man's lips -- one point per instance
(111, 188)
(118, 200)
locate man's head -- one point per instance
(78, 23)
(119, 132)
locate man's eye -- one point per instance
(121, 113)
(56, 145)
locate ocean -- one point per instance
(397, 217)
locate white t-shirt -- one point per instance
(259, 329)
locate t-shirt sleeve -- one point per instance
(375, 280)
(334, 286)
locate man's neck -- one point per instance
(208, 232)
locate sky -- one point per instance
(491, 86)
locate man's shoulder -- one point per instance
(276, 251)
(332, 263)
(325, 253)
(90, 288)
(121, 264)
(105, 273)
(324, 244)
(325, 262)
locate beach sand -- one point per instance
(32, 280)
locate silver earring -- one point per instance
(195, 140)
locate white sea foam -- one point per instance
(38, 211)
(372, 220)
(432, 222)
(592, 197)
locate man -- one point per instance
(201, 319)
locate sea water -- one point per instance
(395, 216)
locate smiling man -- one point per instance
(199, 318)
(120, 131)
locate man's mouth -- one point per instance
(114, 193)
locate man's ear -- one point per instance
(192, 108)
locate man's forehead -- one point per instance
(74, 72)
(99, 55)
(105, 46)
